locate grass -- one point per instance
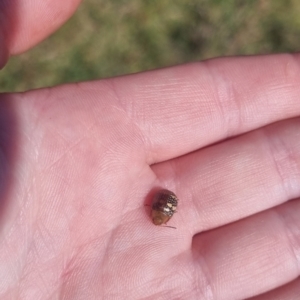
(108, 38)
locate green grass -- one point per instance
(108, 38)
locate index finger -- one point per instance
(183, 108)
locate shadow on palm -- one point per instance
(9, 146)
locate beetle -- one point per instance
(163, 207)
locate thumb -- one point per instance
(3, 51)
(26, 23)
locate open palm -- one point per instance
(79, 162)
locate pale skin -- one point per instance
(79, 162)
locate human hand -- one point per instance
(80, 161)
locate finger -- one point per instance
(183, 108)
(3, 51)
(251, 256)
(26, 23)
(290, 291)
(236, 178)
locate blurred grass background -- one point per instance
(108, 38)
